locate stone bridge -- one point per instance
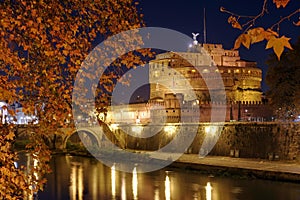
(59, 138)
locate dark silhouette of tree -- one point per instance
(283, 78)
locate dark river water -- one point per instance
(80, 178)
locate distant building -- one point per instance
(180, 80)
(242, 79)
(13, 114)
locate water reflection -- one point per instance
(113, 181)
(134, 184)
(123, 188)
(208, 189)
(167, 187)
(76, 182)
(85, 178)
(156, 194)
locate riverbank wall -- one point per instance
(264, 140)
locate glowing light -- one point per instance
(123, 188)
(156, 194)
(167, 188)
(80, 183)
(134, 184)
(208, 189)
(76, 185)
(210, 130)
(170, 129)
(73, 183)
(113, 181)
(137, 121)
(114, 127)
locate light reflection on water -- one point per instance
(76, 182)
(84, 178)
(208, 189)
(113, 182)
(135, 184)
(167, 188)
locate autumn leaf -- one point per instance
(234, 23)
(268, 34)
(244, 39)
(280, 3)
(10, 136)
(278, 45)
(256, 34)
(65, 52)
(47, 36)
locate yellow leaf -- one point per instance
(234, 23)
(65, 52)
(278, 45)
(10, 136)
(280, 3)
(256, 34)
(39, 19)
(244, 39)
(268, 34)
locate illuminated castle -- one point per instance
(242, 79)
(193, 78)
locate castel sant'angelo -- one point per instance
(204, 75)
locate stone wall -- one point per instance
(255, 140)
(241, 139)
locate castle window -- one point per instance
(229, 71)
(205, 71)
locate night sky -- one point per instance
(187, 17)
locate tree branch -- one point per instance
(285, 18)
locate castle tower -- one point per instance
(171, 72)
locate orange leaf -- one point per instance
(234, 23)
(268, 34)
(244, 39)
(65, 52)
(10, 136)
(256, 34)
(278, 45)
(280, 3)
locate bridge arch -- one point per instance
(93, 136)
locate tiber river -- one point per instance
(81, 178)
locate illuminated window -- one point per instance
(205, 71)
